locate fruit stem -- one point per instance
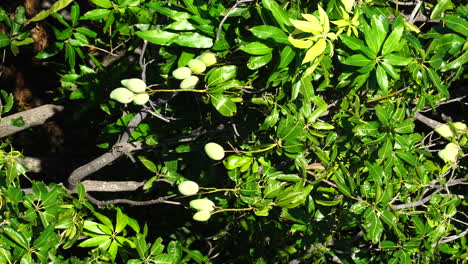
(253, 151)
(231, 210)
(177, 90)
(217, 190)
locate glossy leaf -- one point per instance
(270, 32)
(223, 104)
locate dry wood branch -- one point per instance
(117, 151)
(34, 117)
(426, 120)
(112, 186)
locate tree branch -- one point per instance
(34, 117)
(233, 8)
(426, 120)
(444, 240)
(160, 200)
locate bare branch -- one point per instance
(160, 200)
(426, 199)
(233, 8)
(34, 117)
(117, 151)
(426, 120)
(112, 186)
(444, 240)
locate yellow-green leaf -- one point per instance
(307, 26)
(300, 43)
(324, 19)
(315, 51)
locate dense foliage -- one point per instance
(309, 126)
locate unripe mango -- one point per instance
(122, 95)
(202, 216)
(182, 73)
(135, 85)
(450, 153)
(445, 131)
(189, 83)
(197, 66)
(214, 151)
(202, 204)
(141, 99)
(208, 58)
(188, 188)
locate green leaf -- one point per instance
(376, 172)
(372, 225)
(286, 56)
(382, 78)
(96, 241)
(58, 5)
(148, 164)
(18, 122)
(4, 40)
(96, 14)
(121, 221)
(15, 236)
(323, 126)
(357, 60)
(367, 129)
(441, 6)
(409, 157)
(270, 32)
(405, 127)
(192, 40)
(278, 13)
(223, 104)
(456, 23)
(391, 43)
(256, 62)
(220, 75)
(455, 64)
(157, 36)
(435, 78)
(102, 3)
(397, 60)
(388, 245)
(256, 48)
(386, 150)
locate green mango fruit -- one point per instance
(450, 153)
(202, 204)
(122, 95)
(197, 66)
(208, 58)
(188, 188)
(135, 85)
(202, 216)
(141, 99)
(189, 83)
(182, 73)
(214, 151)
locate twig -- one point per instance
(402, 3)
(458, 99)
(427, 198)
(160, 200)
(444, 240)
(415, 11)
(233, 8)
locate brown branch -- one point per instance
(34, 117)
(160, 200)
